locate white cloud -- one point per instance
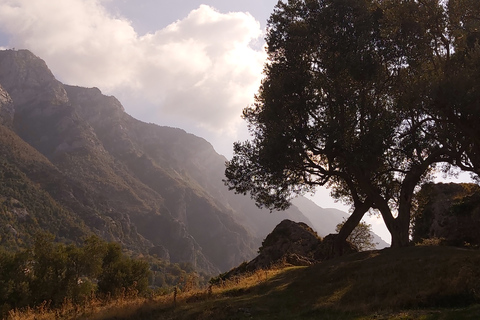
(202, 68)
(73, 36)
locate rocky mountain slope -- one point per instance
(74, 163)
(448, 213)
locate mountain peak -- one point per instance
(27, 78)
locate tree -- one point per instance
(52, 272)
(361, 236)
(120, 272)
(343, 104)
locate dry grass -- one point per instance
(130, 306)
(415, 283)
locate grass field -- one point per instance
(424, 283)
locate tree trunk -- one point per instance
(400, 230)
(349, 225)
(400, 235)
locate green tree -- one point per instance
(120, 272)
(49, 270)
(343, 105)
(52, 272)
(361, 236)
(15, 279)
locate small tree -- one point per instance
(361, 236)
(120, 272)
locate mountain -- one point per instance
(325, 220)
(75, 163)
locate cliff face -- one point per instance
(449, 212)
(6, 108)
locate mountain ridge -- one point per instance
(97, 170)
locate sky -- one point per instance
(181, 63)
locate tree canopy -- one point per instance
(357, 96)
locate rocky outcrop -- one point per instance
(449, 213)
(28, 79)
(6, 108)
(290, 243)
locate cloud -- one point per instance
(204, 68)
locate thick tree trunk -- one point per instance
(349, 225)
(401, 225)
(400, 235)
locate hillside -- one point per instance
(75, 163)
(414, 283)
(356, 286)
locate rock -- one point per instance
(448, 212)
(290, 243)
(27, 78)
(6, 108)
(327, 249)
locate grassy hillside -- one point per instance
(427, 283)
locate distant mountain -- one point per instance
(325, 220)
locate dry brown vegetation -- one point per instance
(420, 283)
(129, 305)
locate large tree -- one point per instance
(344, 104)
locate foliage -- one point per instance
(120, 272)
(348, 102)
(455, 93)
(53, 272)
(50, 272)
(361, 236)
